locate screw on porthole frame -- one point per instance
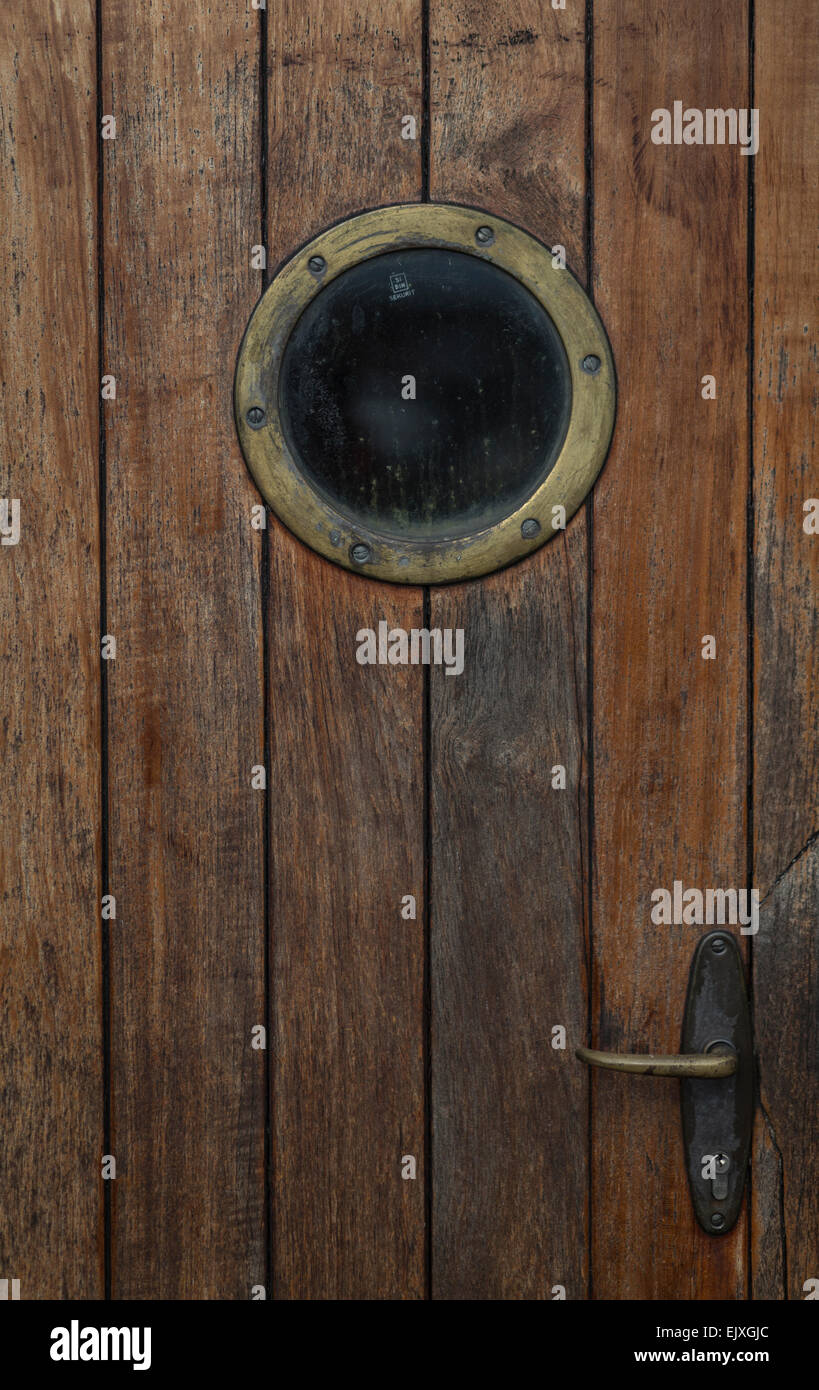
(255, 417)
(360, 553)
(591, 364)
(317, 265)
(484, 236)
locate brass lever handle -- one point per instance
(722, 1061)
(716, 1043)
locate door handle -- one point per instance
(716, 1070)
(722, 1061)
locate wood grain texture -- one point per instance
(181, 212)
(347, 792)
(515, 945)
(669, 541)
(50, 1058)
(509, 1123)
(341, 78)
(786, 673)
(786, 559)
(785, 1252)
(347, 845)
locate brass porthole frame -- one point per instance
(340, 537)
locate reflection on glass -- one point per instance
(425, 393)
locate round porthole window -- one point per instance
(422, 395)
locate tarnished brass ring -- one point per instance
(440, 558)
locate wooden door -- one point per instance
(222, 1037)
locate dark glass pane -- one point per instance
(492, 403)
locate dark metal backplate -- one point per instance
(717, 1114)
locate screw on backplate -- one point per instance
(718, 945)
(529, 528)
(361, 553)
(316, 265)
(717, 1220)
(255, 417)
(484, 236)
(591, 364)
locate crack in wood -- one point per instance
(800, 854)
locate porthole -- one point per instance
(423, 394)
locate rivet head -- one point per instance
(591, 364)
(717, 1220)
(718, 945)
(316, 265)
(484, 236)
(530, 528)
(360, 553)
(255, 417)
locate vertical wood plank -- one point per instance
(509, 1124)
(51, 1097)
(181, 212)
(785, 1229)
(669, 727)
(347, 798)
(786, 685)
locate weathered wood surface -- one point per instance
(785, 1229)
(508, 851)
(670, 728)
(786, 638)
(181, 211)
(347, 801)
(215, 623)
(51, 1096)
